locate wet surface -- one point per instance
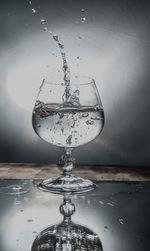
(118, 212)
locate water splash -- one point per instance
(15, 189)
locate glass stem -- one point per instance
(67, 161)
(67, 209)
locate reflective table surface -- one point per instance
(119, 212)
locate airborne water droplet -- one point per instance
(82, 10)
(33, 10)
(121, 221)
(43, 21)
(30, 2)
(56, 38)
(45, 28)
(101, 202)
(83, 19)
(105, 229)
(61, 46)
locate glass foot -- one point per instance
(67, 184)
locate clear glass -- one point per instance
(68, 117)
(67, 235)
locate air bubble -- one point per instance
(68, 140)
(85, 115)
(96, 118)
(89, 122)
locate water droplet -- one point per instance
(78, 57)
(43, 21)
(111, 204)
(61, 46)
(83, 19)
(121, 221)
(105, 228)
(33, 10)
(21, 210)
(30, 2)
(82, 10)
(79, 37)
(45, 28)
(89, 122)
(29, 220)
(50, 32)
(55, 37)
(101, 202)
(17, 240)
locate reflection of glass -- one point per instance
(67, 236)
(68, 116)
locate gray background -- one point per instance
(114, 49)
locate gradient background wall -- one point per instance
(114, 50)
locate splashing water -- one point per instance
(68, 96)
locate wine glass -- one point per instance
(68, 116)
(67, 235)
